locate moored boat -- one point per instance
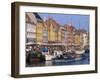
(79, 51)
(48, 57)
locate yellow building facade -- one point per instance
(51, 33)
(39, 32)
(77, 39)
(54, 32)
(59, 36)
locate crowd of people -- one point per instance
(38, 49)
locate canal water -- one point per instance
(85, 59)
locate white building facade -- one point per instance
(85, 37)
(30, 28)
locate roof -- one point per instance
(38, 17)
(31, 18)
(53, 22)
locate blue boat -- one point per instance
(69, 59)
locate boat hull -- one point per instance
(79, 52)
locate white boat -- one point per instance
(48, 57)
(79, 51)
(57, 53)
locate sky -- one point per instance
(78, 21)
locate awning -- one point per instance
(30, 43)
